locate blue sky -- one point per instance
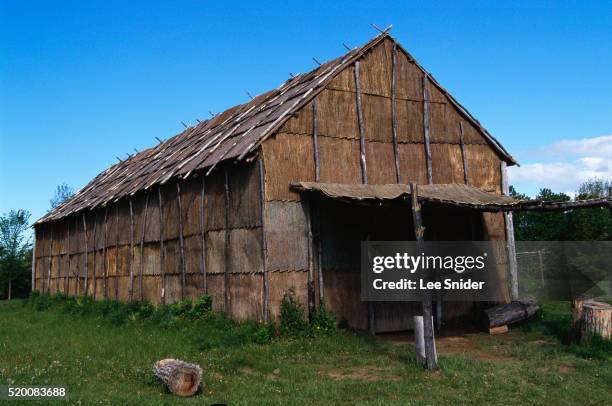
(84, 81)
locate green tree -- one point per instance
(15, 252)
(63, 192)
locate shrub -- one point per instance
(323, 321)
(203, 304)
(292, 322)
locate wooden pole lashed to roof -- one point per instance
(264, 246)
(181, 239)
(226, 296)
(362, 148)
(86, 287)
(419, 232)
(510, 243)
(426, 141)
(162, 248)
(463, 154)
(203, 233)
(131, 253)
(142, 240)
(394, 112)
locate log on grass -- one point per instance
(513, 312)
(181, 378)
(596, 320)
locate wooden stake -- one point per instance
(86, 254)
(142, 240)
(181, 239)
(264, 246)
(162, 248)
(131, 253)
(203, 232)
(510, 244)
(315, 141)
(426, 128)
(463, 154)
(428, 333)
(362, 152)
(226, 296)
(394, 112)
(104, 252)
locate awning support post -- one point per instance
(427, 316)
(510, 243)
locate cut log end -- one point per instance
(596, 320)
(181, 378)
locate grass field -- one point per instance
(110, 363)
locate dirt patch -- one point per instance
(363, 373)
(538, 342)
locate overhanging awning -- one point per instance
(453, 194)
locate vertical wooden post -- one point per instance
(264, 246)
(362, 146)
(117, 248)
(541, 261)
(131, 253)
(428, 333)
(162, 248)
(142, 240)
(95, 249)
(463, 154)
(67, 278)
(50, 262)
(315, 141)
(510, 243)
(33, 276)
(320, 253)
(310, 283)
(203, 232)
(181, 238)
(426, 128)
(86, 287)
(226, 248)
(419, 339)
(104, 252)
(398, 178)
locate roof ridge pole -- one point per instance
(362, 154)
(510, 243)
(394, 111)
(181, 238)
(86, 256)
(162, 248)
(131, 253)
(426, 128)
(463, 154)
(428, 330)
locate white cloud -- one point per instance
(569, 163)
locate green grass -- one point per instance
(108, 360)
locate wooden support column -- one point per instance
(104, 252)
(162, 248)
(463, 154)
(142, 240)
(315, 214)
(117, 247)
(362, 148)
(428, 332)
(95, 248)
(131, 253)
(181, 239)
(264, 246)
(398, 178)
(510, 243)
(310, 283)
(86, 287)
(226, 295)
(320, 252)
(50, 261)
(67, 278)
(203, 233)
(33, 276)
(426, 128)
